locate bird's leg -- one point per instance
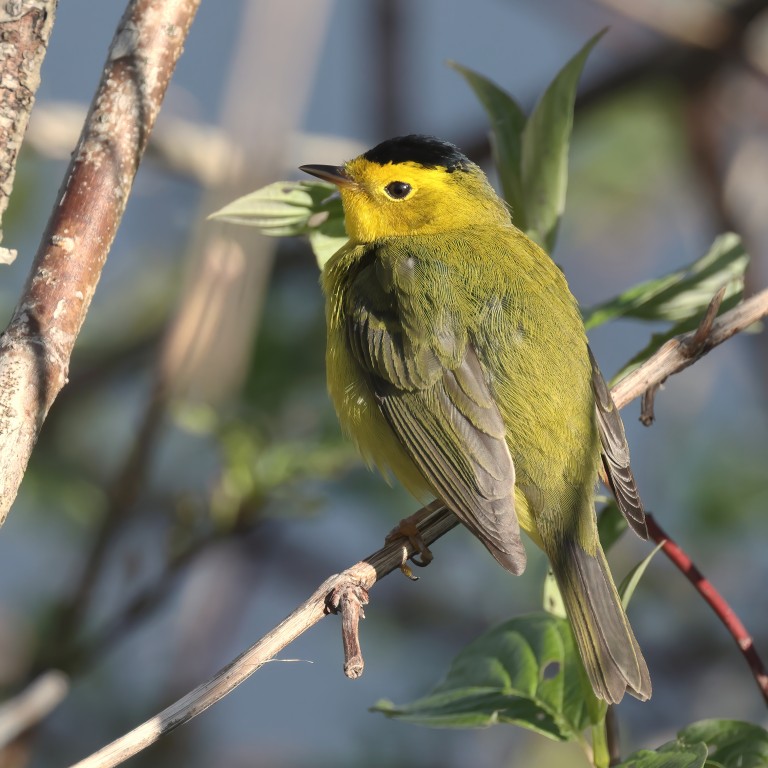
(408, 529)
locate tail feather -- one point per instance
(608, 648)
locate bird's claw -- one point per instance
(408, 529)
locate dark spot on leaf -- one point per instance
(551, 670)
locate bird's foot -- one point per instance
(408, 529)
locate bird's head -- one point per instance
(412, 185)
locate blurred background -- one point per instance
(190, 486)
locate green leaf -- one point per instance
(552, 597)
(710, 743)
(731, 743)
(611, 524)
(684, 295)
(526, 672)
(632, 579)
(507, 124)
(288, 208)
(544, 158)
(328, 236)
(673, 754)
(681, 296)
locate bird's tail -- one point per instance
(609, 651)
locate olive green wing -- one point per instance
(615, 454)
(440, 409)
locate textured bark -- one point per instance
(37, 345)
(25, 28)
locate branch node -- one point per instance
(647, 416)
(348, 599)
(694, 346)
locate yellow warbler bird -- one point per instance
(457, 360)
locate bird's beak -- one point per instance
(333, 173)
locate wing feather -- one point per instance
(469, 468)
(615, 454)
(433, 394)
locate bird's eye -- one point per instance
(398, 190)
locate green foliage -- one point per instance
(532, 153)
(507, 126)
(681, 297)
(611, 524)
(256, 468)
(632, 579)
(288, 208)
(730, 743)
(708, 744)
(526, 671)
(673, 754)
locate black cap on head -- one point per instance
(424, 150)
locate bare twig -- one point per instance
(695, 343)
(32, 705)
(348, 599)
(25, 29)
(366, 573)
(705, 24)
(36, 347)
(203, 153)
(717, 602)
(675, 355)
(647, 400)
(121, 496)
(691, 346)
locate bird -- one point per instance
(457, 361)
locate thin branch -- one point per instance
(719, 605)
(204, 154)
(363, 576)
(705, 25)
(691, 347)
(25, 29)
(612, 735)
(121, 495)
(436, 521)
(678, 353)
(36, 347)
(32, 705)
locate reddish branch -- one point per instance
(717, 602)
(36, 347)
